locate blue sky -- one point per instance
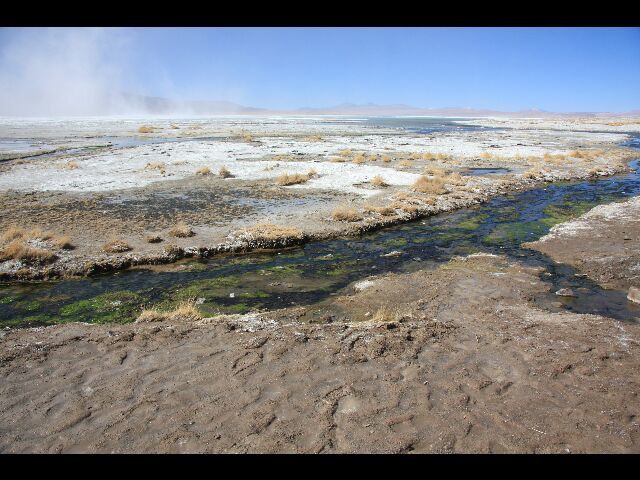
(558, 69)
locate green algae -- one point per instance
(115, 307)
(473, 223)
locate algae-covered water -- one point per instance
(304, 275)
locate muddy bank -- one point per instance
(604, 244)
(462, 363)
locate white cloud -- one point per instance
(61, 71)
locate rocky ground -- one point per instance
(455, 359)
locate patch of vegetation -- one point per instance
(379, 182)
(434, 185)
(345, 214)
(185, 311)
(116, 246)
(474, 222)
(113, 307)
(292, 179)
(181, 230)
(225, 173)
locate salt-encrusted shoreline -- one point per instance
(344, 156)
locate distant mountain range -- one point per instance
(164, 106)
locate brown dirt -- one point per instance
(463, 363)
(604, 244)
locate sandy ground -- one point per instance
(604, 243)
(129, 193)
(455, 359)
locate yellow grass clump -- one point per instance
(425, 184)
(432, 170)
(146, 129)
(116, 246)
(405, 207)
(338, 159)
(384, 211)
(455, 179)
(378, 182)
(345, 214)
(154, 239)
(20, 237)
(386, 158)
(160, 166)
(20, 250)
(554, 158)
(185, 311)
(292, 179)
(70, 165)
(385, 314)
(224, 172)
(203, 171)
(405, 164)
(313, 138)
(181, 230)
(346, 153)
(359, 159)
(271, 232)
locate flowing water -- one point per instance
(309, 274)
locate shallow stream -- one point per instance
(308, 274)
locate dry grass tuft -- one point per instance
(181, 230)
(378, 182)
(70, 165)
(11, 234)
(338, 159)
(62, 242)
(455, 179)
(385, 314)
(224, 172)
(346, 153)
(185, 311)
(312, 173)
(146, 129)
(430, 185)
(554, 158)
(345, 214)
(435, 171)
(384, 211)
(160, 166)
(154, 239)
(203, 171)
(405, 164)
(116, 246)
(406, 207)
(271, 232)
(18, 249)
(35, 234)
(386, 158)
(359, 159)
(172, 250)
(313, 138)
(292, 179)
